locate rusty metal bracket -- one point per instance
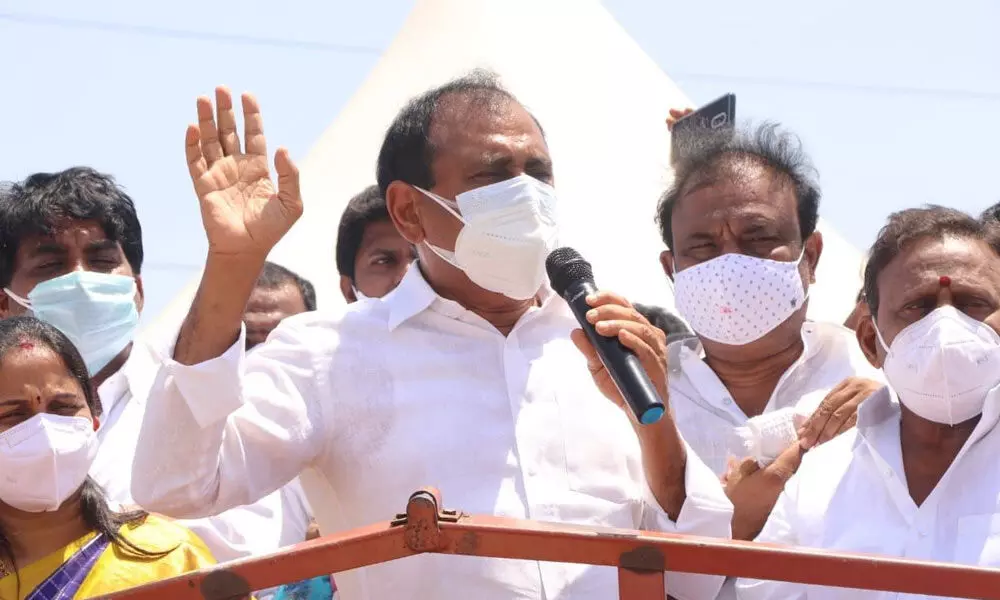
(422, 521)
(644, 558)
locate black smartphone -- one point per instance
(720, 114)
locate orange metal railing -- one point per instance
(641, 558)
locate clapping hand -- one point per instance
(754, 490)
(242, 211)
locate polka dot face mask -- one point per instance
(737, 299)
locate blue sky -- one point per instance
(897, 102)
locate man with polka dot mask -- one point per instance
(760, 384)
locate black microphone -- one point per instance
(572, 277)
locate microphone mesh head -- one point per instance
(565, 266)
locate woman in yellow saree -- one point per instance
(59, 540)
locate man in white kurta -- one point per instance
(475, 388)
(917, 478)
(409, 391)
(861, 473)
(739, 223)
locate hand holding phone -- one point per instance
(676, 114)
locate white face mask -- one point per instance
(45, 460)
(358, 295)
(510, 229)
(942, 366)
(737, 299)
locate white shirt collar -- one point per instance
(414, 295)
(131, 382)
(687, 355)
(884, 407)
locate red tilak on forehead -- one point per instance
(26, 344)
(945, 281)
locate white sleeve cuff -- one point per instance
(707, 510)
(213, 388)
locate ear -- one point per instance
(667, 262)
(401, 201)
(852, 320)
(347, 289)
(813, 248)
(140, 294)
(867, 340)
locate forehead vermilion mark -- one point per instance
(26, 344)
(945, 281)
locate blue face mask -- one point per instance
(96, 311)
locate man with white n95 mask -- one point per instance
(464, 377)
(72, 256)
(761, 383)
(917, 478)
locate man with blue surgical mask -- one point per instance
(74, 263)
(464, 377)
(761, 383)
(72, 255)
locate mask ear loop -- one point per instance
(878, 335)
(805, 289)
(445, 204)
(447, 256)
(805, 296)
(24, 302)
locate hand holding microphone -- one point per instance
(628, 360)
(625, 354)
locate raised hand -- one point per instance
(242, 212)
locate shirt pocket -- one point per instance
(977, 540)
(835, 527)
(602, 457)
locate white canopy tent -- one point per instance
(602, 102)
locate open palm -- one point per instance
(241, 209)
